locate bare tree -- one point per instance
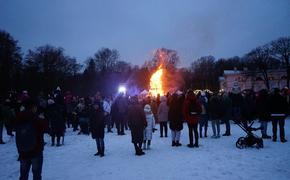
(281, 50)
(106, 59)
(204, 73)
(258, 61)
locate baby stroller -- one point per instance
(251, 140)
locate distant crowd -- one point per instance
(29, 117)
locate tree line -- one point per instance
(46, 67)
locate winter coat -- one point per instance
(226, 104)
(191, 109)
(248, 108)
(82, 110)
(163, 112)
(237, 100)
(122, 104)
(263, 111)
(114, 112)
(150, 125)
(137, 122)
(97, 123)
(40, 128)
(215, 108)
(8, 114)
(56, 120)
(175, 114)
(278, 105)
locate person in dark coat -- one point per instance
(54, 115)
(191, 111)
(227, 112)
(97, 127)
(248, 108)
(114, 114)
(215, 114)
(30, 147)
(8, 115)
(122, 106)
(203, 121)
(175, 119)
(237, 101)
(137, 124)
(263, 112)
(278, 107)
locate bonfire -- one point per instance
(156, 84)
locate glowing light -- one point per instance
(156, 85)
(122, 89)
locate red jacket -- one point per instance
(191, 117)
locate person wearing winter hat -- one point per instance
(150, 126)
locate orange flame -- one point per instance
(156, 85)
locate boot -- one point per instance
(102, 154)
(99, 151)
(173, 143)
(2, 142)
(148, 144)
(57, 141)
(52, 141)
(190, 145)
(283, 140)
(144, 145)
(178, 144)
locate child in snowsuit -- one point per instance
(150, 126)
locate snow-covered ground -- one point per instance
(215, 159)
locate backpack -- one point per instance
(25, 137)
(194, 108)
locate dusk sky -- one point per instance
(222, 28)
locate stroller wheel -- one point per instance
(240, 143)
(260, 143)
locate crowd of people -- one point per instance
(29, 117)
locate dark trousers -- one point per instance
(108, 122)
(9, 128)
(281, 122)
(36, 164)
(138, 147)
(192, 127)
(84, 125)
(69, 119)
(1, 130)
(100, 145)
(236, 111)
(57, 139)
(121, 124)
(163, 125)
(75, 123)
(203, 122)
(228, 126)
